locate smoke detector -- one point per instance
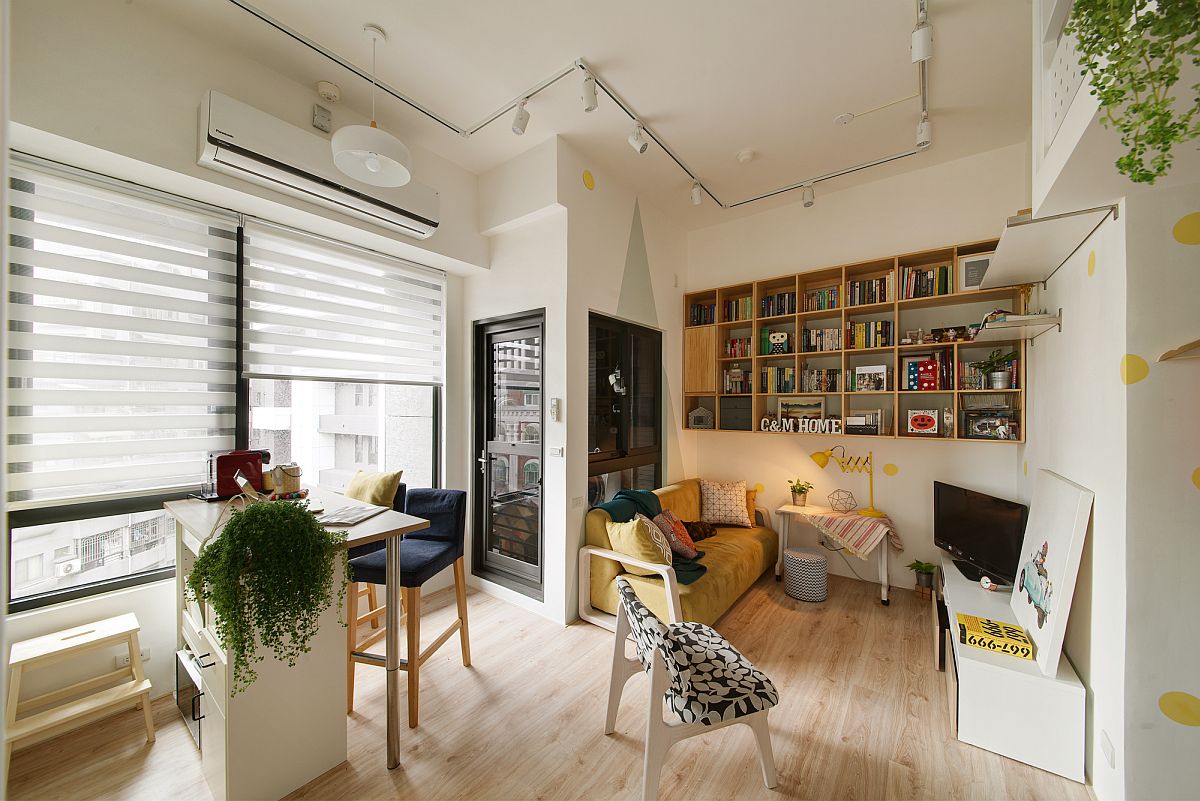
(746, 155)
(845, 118)
(329, 91)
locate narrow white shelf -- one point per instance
(1189, 351)
(1022, 326)
(1031, 249)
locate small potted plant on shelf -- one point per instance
(800, 492)
(924, 574)
(995, 367)
(269, 575)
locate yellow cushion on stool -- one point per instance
(377, 488)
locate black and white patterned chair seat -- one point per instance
(711, 681)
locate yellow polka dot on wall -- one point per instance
(589, 180)
(1133, 368)
(1025, 468)
(1092, 263)
(891, 469)
(1187, 230)
(1181, 707)
(1196, 477)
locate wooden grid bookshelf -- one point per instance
(831, 288)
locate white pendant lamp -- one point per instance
(366, 153)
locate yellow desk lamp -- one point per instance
(852, 464)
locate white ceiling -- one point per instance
(712, 77)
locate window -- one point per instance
(532, 471)
(121, 350)
(624, 406)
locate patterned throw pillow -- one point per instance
(723, 503)
(699, 530)
(680, 545)
(642, 540)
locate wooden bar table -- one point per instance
(197, 518)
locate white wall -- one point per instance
(1076, 409)
(1162, 641)
(960, 201)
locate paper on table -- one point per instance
(349, 515)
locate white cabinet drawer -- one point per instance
(212, 752)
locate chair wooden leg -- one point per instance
(658, 734)
(622, 669)
(766, 757)
(373, 603)
(351, 641)
(412, 603)
(460, 595)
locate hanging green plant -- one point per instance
(1133, 51)
(268, 577)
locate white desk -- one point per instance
(290, 725)
(787, 511)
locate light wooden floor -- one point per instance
(862, 716)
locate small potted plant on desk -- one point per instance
(924, 573)
(995, 367)
(800, 492)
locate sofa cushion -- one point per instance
(673, 529)
(723, 503)
(735, 558)
(642, 540)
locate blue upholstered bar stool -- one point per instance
(423, 555)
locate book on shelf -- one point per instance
(777, 304)
(869, 334)
(814, 340)
(871, 290)
(735, 381)
(739, 309)
(823, 380)
(702, 314)
(869, 378)
(868, 421)
(822, 299)
(971, 378)
(738, 347)
(777, 380)
(925, 282)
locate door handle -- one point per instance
(200, 662)
(196, 716)
(483, 461)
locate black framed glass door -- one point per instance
(509, 448)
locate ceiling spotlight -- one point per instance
(697, 193)
(637, 140)
(365, 152)
(845, 118)
(588, 92)
(809, 196)
(521, 118)
(922, 41)
(924, 132)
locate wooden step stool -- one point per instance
(83, 702)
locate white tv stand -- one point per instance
(1003, 703)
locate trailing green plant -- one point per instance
(997, 362)
(1133, 51)
(800, 487)
(268, 577)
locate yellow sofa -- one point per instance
(735, 558)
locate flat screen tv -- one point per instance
(982, 533)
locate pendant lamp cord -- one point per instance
(373, 43)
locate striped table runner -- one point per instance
(857, 534)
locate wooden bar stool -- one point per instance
(84, 701)
(422, 556)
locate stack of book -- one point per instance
(871, 334)
(737, 347)
(822, 299)
(818, 339)
(735, 381)
(776, 380)
(925, 282)
(702, 314)
(970, 378)
(777, 304)
(739, 309)
(819, 380)
(867, 421)
(926, 371)
(870, 290)
(872, 378)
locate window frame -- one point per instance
(87, 508)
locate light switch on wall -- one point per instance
(555, 409)
(556, 451)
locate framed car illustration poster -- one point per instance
(1049, 563)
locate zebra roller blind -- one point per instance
(121, 340)
(318, 310)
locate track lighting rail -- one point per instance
(581, 66)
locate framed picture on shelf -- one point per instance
(910, 369)
(923, 421)
(971, 270)
(801, 407)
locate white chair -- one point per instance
(706, 682)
